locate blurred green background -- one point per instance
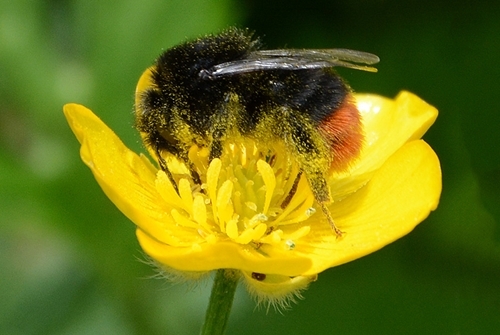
(69, 260)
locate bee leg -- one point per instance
(219, 132)
(222, 122)
(321, 194)
(215, 149)
(194, 174)
(292, 192)
(319, 187)
(311, 151)
(164, 167)
(328, 215)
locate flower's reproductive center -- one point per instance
(246, 196)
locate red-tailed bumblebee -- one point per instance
(219, 84)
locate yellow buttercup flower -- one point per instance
(235, 218)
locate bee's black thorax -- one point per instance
(180, 92)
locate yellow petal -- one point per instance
(125, 177)
(145, 82)
(223, 255)
(398, 197)
(388, 124)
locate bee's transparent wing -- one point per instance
(294, 59)
(323, 54)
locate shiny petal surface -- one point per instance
(388, 124)
(400, 195)
(224, 255)
(127, 178)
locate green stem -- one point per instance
(221, 301)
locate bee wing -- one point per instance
(292, 59)
(321, 54)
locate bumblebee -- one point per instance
(204, 90)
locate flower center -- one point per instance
(247, 196)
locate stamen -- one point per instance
(185, 193)
(182, 220)
(269, 179)
(246, 196)
(167, 191)
(224, 208)
(213, 173)
(200, 211)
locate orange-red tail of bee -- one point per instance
(344, 132)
